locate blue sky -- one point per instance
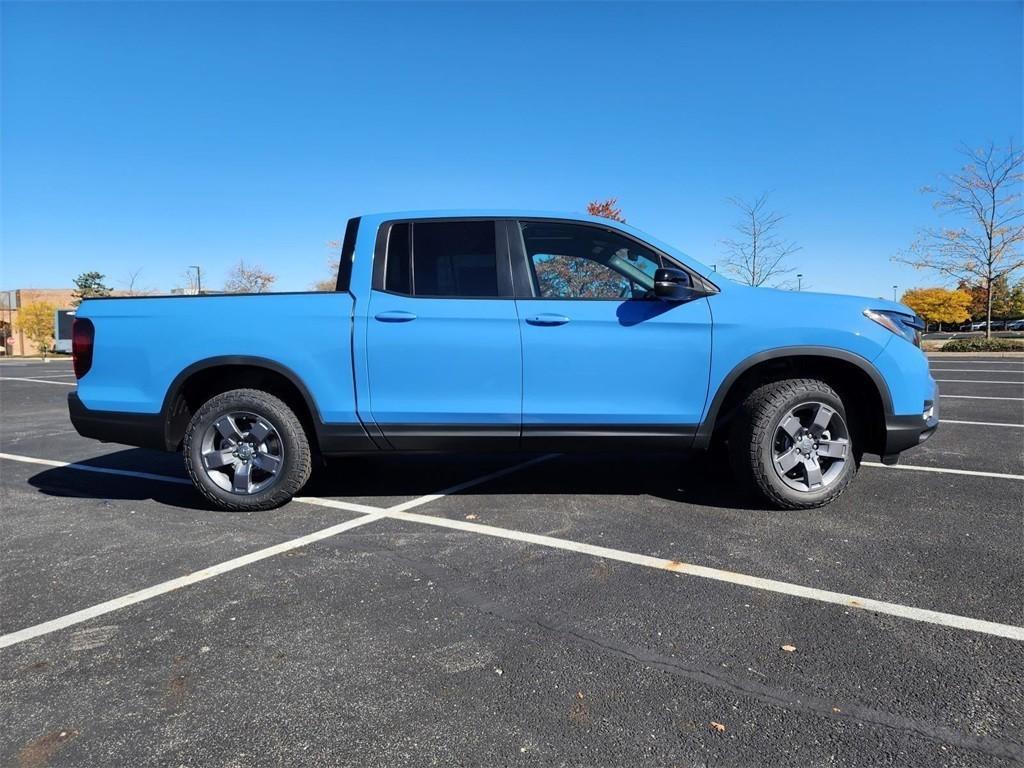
(155, 136)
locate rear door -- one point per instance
(444, 360)
(605, 364)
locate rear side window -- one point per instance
(348, 252)
(442, 259)
(397, 277)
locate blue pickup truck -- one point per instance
(483, 331)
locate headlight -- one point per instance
(907, 326)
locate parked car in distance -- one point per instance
(1015, 325)
(476, 331)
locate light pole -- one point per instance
(199, 278)
(894, 292)
(799, 282)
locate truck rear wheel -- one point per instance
(790, 441)
(245, 450)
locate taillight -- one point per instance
(82, 334)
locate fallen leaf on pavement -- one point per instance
(471, 517)
(718, 726)
(789, 648)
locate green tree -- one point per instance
(1015, 301)
(89, 284)
(36, 322)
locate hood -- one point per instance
(812, 300)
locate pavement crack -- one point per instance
(468, 597)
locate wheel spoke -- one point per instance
(242, 482)
(822, 418)
(833, 449)
(217, 459)
(791, 425)
(787, 460)
(228, 429)
(267, 463)
(813, 473)
(260, 430)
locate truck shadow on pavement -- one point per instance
(700, 479)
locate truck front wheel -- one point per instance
(245, 450)
(790, 441)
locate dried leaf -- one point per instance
(789, 648)
(718, 726)
(471, 516)
(579, 694)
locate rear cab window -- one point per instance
(444, 259)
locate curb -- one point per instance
(1017, 355)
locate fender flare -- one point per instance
(707, 425)
(248, 360)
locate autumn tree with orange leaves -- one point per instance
(607, 209)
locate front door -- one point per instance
(603, 358)
(443, 352)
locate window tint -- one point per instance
(456, 258)
(449, 258)
(572, 261)
(397, 276)
(348, 252)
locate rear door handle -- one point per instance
(395, 316)
(547, 318)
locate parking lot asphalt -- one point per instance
(513, 610)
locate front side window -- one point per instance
(573, 261)
(442, 259)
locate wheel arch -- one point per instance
(205, 378)
(859, 383)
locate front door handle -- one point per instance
(547, 318)
(395, 316)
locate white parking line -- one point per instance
(100, 470)
(716, 574)
(52, 375)
(980, 397)
(944, 470)
(370, 515)
(183, 581)
(398, 512)
(40, 381)
(980, 381)
(977, 370)
(361, 508)
(984, 423)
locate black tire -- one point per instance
(296, 464)
(754, 432)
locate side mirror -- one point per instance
(675, 285)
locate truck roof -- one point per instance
(375, 219)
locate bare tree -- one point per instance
(248, 279)
(132, 286)
(193, 280)
(986, 194)
(333, 265)
(759, 253)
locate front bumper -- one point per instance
(145, 430)
(903, 432)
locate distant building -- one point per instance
(11, 302)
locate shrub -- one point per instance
(983, 345)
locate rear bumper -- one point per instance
(145, 430)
